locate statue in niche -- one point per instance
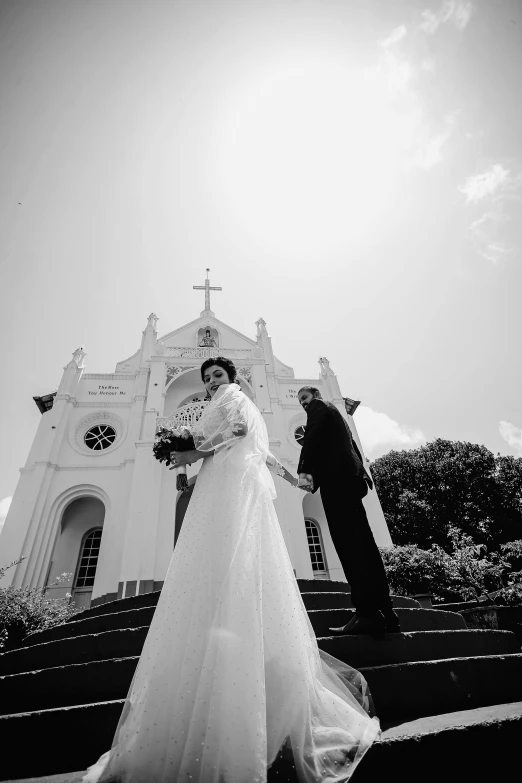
(207, 341)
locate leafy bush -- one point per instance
(512, 552)
(24, 610)
(467, 572)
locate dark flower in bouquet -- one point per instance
(169, 440)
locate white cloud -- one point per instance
(430, 153)
(404, 61)
(485, 184)
(456, 11)
(4, 508)
(379, 433)
(486, 230)
(496, 191)
(395, 36)
(512, 435)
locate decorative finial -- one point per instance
(152, 321)
(324, 363)
(78, 357)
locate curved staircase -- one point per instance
(449, 698)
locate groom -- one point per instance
(331, 460)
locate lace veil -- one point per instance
(234, 429)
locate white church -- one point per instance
(93, 502)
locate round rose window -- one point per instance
(299, 434)
(100, 437)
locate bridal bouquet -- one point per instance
(175, 439)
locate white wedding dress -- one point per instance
(230, 670)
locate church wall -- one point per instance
(261, 388)
(113, 536)
(22, 522)
(290, 515)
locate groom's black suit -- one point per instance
(331, 456)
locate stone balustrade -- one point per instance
(182, 417)
(208, 353)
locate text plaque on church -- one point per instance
(104, 391)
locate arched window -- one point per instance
(315, 545)
(86, 570)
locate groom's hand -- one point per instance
(306, 482)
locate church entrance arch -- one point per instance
(76, 550)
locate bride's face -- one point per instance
(214, 377)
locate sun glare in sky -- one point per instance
(309, 152)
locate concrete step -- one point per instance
(132, 618)
(66, 686)
(411, 620)
(56, 740)
(475, 744)
(94, 647)
(481, 744)
(339, 600)
(151, 599)
(355, 650)
(306, 586)
(121, 605)
(360, 651)
(320, 585)
(505, 618)
(400, 691)
(407, 691)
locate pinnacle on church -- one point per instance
(261, 327)
(207, 288)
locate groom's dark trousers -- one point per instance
(331, 456)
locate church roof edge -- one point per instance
(203, 320)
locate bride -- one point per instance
(230, 673)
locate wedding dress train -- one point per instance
(230, 669)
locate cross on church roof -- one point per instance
(207, 288)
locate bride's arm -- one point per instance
(207, 448)
(237, 430)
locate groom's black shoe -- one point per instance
(368, 624)
(391, 622)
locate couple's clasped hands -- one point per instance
(306, 482)
(181, 458)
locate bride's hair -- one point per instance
(225, 364)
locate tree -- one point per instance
(427, 491)
(509, 481)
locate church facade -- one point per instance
(92, 501)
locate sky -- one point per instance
(350, 170)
